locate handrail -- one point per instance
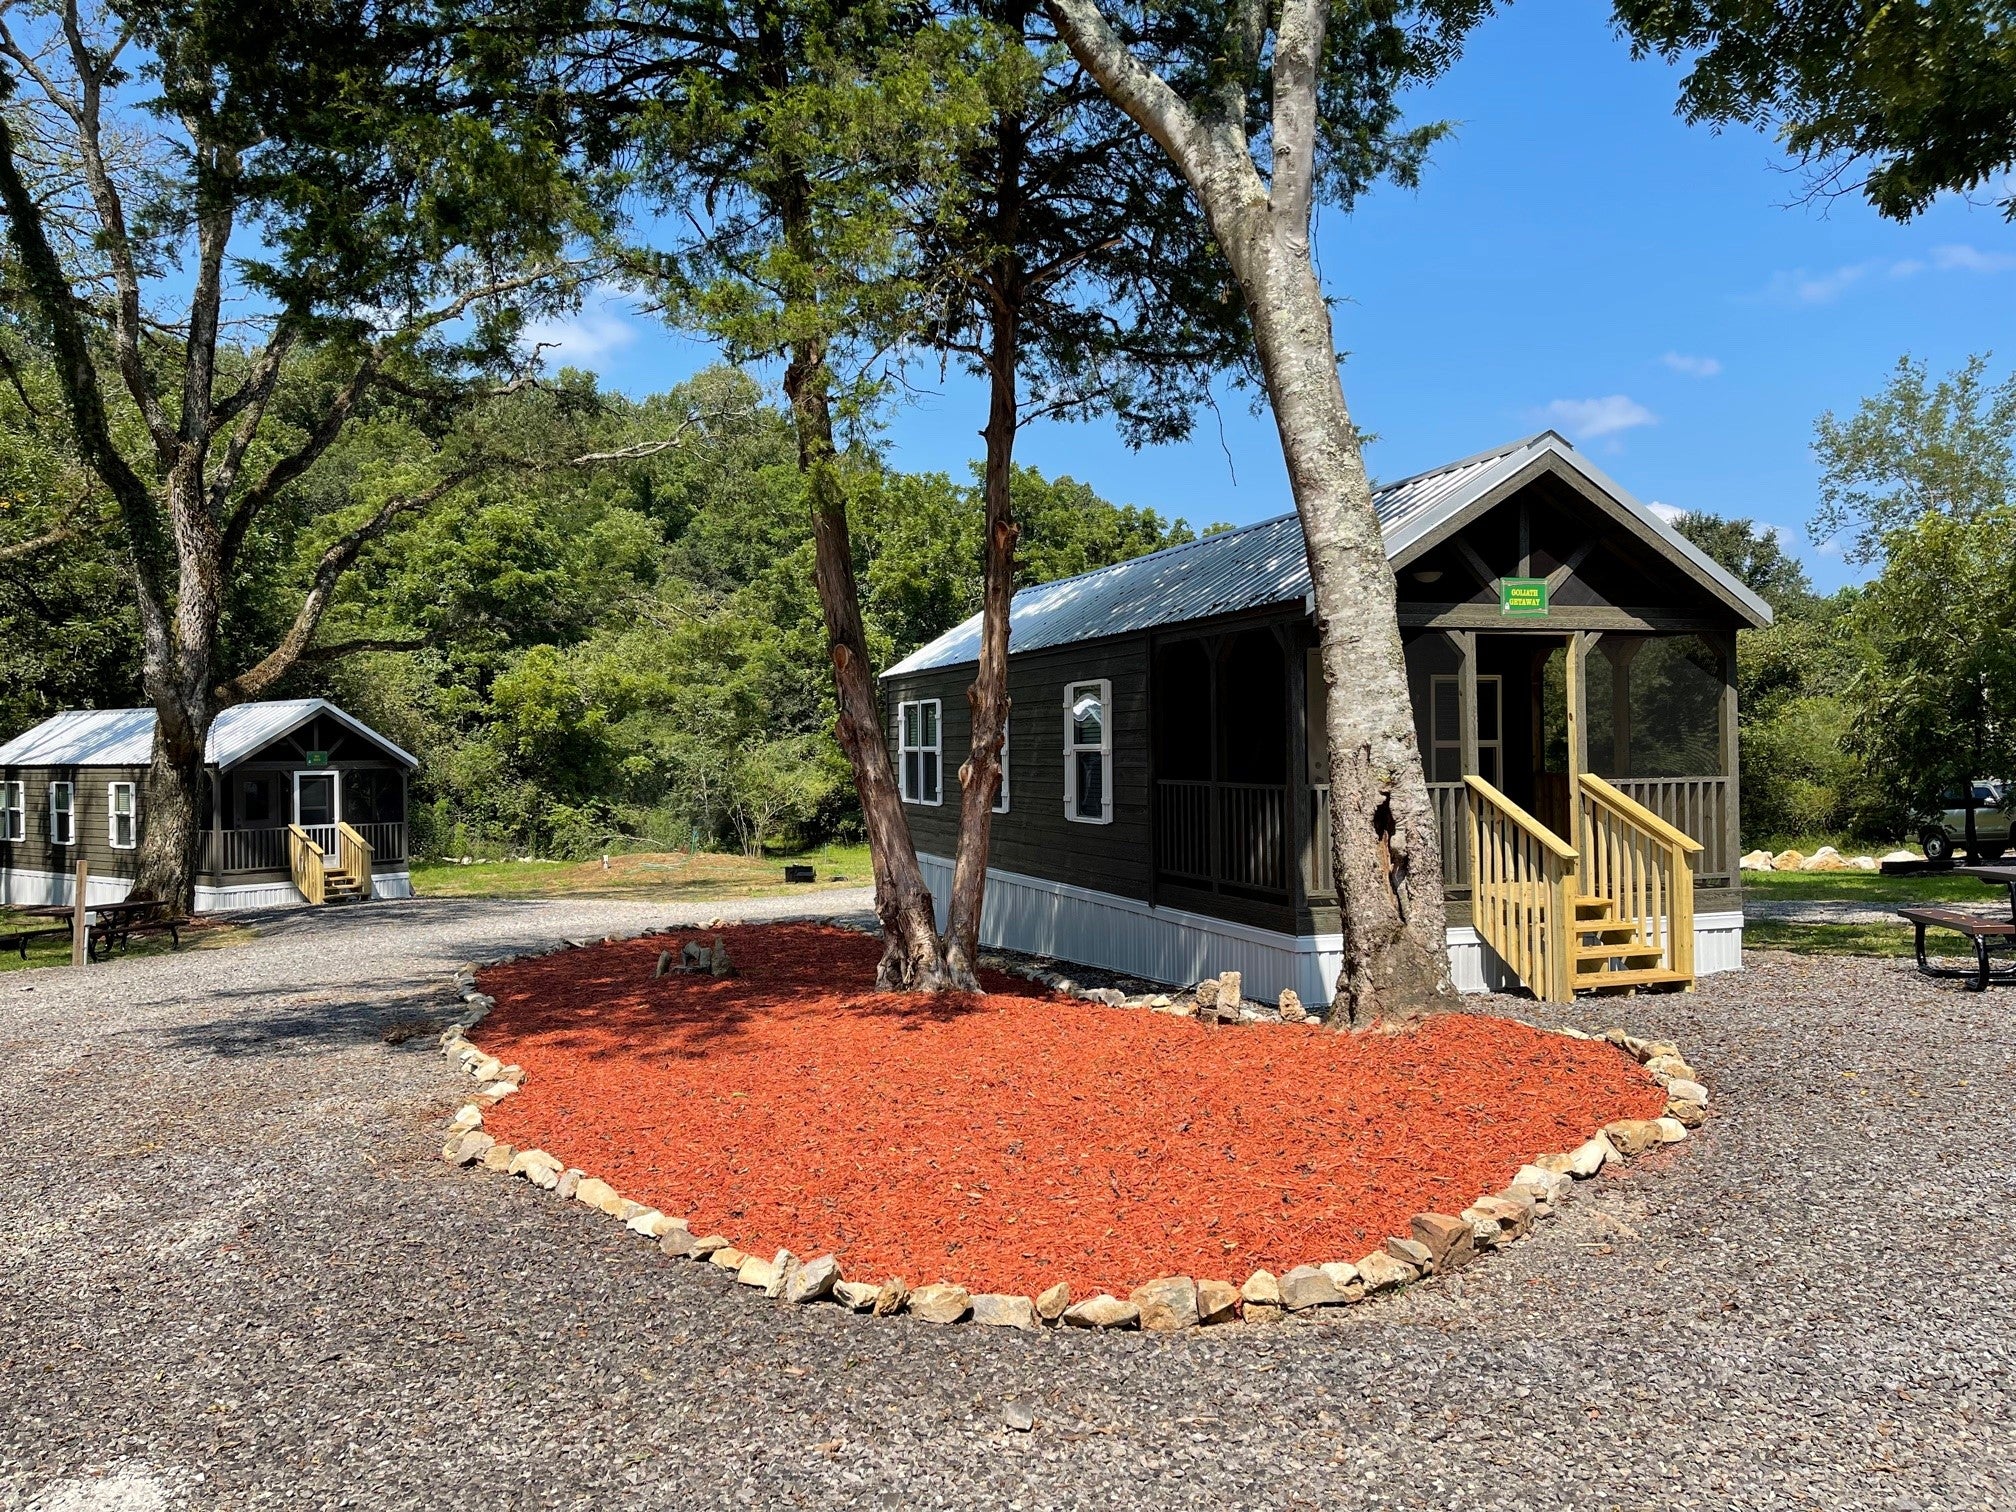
(1523, 887)
(304, 864)
(1520, 817)
(1625, 804)
(354, 852)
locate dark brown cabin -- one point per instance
(1165, 812)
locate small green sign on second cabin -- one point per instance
(318, 758)
(1522, 598)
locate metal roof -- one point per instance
(1264, 564)
(125, 737)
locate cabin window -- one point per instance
(62, 814)
(1001, 793)
(1446, 730)
(258, 802)
(1088, 752)
(917, 725)
(13, 811)
(122, 827)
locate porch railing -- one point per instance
(1522, 892)
(252, 850)
(1452, 827)
(1225, 834)
(1643, 865)
(1695, 806)
(353, 855)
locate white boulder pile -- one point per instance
(1825, 859)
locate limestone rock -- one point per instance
(1756, 861)
(497, 1091)
(708, 1246)
(1308, 1286)
(1563, 1165)
(1512, 1209)
(1102, 1311)
(467, 1117)
(1261, 1289)
(782, 1269)
(1206, 994)
(1051, 1302)
(1689, 1115)
(1550, 1186)
(1486, 1232)
(1670, 1066)
(1292, 1011)
(1788, 860)
(728, 1258)
(1231, 991)
(1631, 1136)
(1683, 1090)
(813, 1280)
(1261, 1312)
(1589, 1157)
(1449, 1241)
(568, 1184)
(891, 1296)
(999, 1310)
(756, 1271)
(1412, 1252)
(1217, 1301)
(1899, 855)
(466, 1149)
(651, 1223)
(1380, 1271)
(1671, 1130)
(720, 965)
(677, 1241)
(940, 1302)
(856, 1296)
(625, 1209)
(598, 1194)
(1167, 1304)
(499, 1157)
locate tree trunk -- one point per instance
(912, 960)
(1384, 847)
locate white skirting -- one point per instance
(1174, 945)
(22, 886)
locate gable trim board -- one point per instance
(1266, 564)
(1087, 927)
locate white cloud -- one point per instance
(1693, 367)
(598, 330)
(1591, 418)
(1672, 514)
(1801, 287)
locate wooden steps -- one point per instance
(1610, 954)
(341, 887)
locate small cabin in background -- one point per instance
(1165, 805)
(303, 803)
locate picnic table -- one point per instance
(113, 925)
(1988, 933)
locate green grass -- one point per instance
(680, 876)
(1871, 888)
(1889, 940)
(55, 951)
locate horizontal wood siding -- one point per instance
(36, 852)
(1034, 837)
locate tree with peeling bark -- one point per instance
(338, 219)
(1265, 109)
(1076, 281)
(787, 145)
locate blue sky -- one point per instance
(1576, 257)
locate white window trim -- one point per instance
(904, 748)
(112, 814)
(69, 791)
(1073, 750)
(13, 811)
(1001, 793)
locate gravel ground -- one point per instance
(1829, 911)
(233, 1273)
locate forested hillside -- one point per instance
(609, 637)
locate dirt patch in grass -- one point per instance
(1018, 1138)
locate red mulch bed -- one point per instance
(1020, 1138)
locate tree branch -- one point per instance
(285, 656)
(1137, 89)
(677, 439)
(1298, 55)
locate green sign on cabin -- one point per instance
(1522, 598)
(318, 758)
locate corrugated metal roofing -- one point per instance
(125, 737)
(1259, 565)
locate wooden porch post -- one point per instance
(216, 862)
(1458, 846)
(1621, 651)
(1577, 701)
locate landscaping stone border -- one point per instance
(1436, 1243)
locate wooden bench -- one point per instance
(20, 939)
(1986, 934)
(118, 924)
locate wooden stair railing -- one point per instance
(353, 861)
(1636, 900)
(305, 864)
(1523, 892)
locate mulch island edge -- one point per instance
(1438, 1243)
